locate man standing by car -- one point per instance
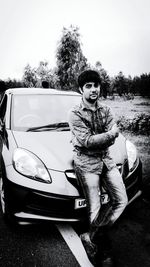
(93, 130)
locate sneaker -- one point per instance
(108, 262)
(90, 248)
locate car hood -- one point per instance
(55, 148)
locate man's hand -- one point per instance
(114, 130)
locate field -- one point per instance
(129, 108)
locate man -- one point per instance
(93, 131)
(45, 84)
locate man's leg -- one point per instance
(118, 199)
(116, 189)
(109, 213)
(90, 186)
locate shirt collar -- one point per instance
(83, 105)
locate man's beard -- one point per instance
(92, 101)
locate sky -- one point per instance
(114, 32)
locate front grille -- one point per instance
(53, 206)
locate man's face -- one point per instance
(91, 91)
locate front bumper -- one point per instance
(28, 204)
(133, 182)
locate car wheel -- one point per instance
(4, 205)
(3, 200)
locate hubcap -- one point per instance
(2, 195)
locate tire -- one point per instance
(3, 200)
(4, 206)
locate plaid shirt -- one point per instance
(91, 137)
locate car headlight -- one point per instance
(29, 165)
(132, 154)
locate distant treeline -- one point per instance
(120, 85)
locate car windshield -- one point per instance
(41, 112)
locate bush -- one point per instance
(143, 104)
(123, 123)
(140, 124)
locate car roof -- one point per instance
(43, 91)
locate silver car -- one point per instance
(37, 180)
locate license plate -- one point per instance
(80, 203)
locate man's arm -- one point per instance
(104, 139)
(84, 135)
(111, 131)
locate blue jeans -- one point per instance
(100, 216)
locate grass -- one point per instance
(128, 109)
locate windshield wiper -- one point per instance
(61, 126)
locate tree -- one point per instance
(145, 84)
(42, 71)
(105, 86)
(141, 85)
(33, 77)
(13, 83)
(129, 84)
(120, 83)
(2, 86)
(29, 77)
(136, 85)
(70, 59)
